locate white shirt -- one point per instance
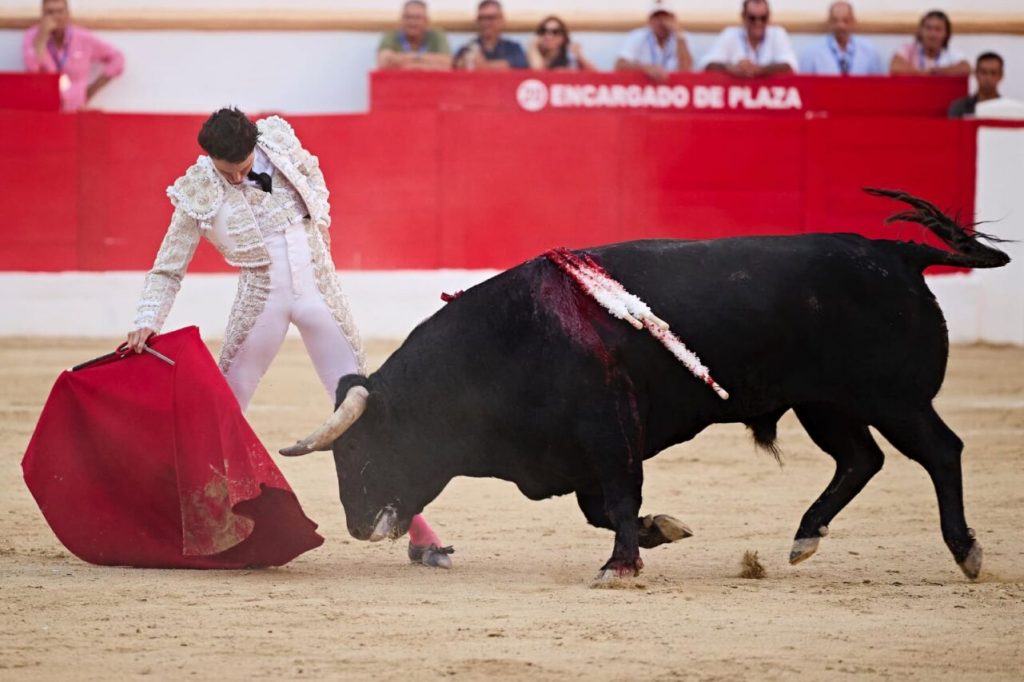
(642, 47)
(731, 46)
(914, 54)
(260, 164)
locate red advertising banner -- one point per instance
(700, 93)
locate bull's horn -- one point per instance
(386, 520)
(351, 408)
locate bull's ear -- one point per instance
(350, 409)
(347, 383)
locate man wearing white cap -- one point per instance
(754, 49)
(658, 49)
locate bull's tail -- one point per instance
(968, 251)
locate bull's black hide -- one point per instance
(527, 379)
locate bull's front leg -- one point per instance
(622, 504)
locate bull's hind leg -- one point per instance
(922, 436)
(857, 457)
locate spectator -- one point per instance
(414, 45)
(552, 49)
(929, 53)
(489, 50)
(988, 71)
(55, 45)
(841, 53)
(754, 49)
(658, 49)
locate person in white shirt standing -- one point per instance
(754, 49)
(658, 49)
(841, 53)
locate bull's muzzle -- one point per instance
(351, 408)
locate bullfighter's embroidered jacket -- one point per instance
(206, 205)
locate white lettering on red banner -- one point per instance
(534, 95)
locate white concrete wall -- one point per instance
(326, 71)
(385, 304)
(988, 305)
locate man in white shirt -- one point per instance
(841, 53)
(658, 49)
(754, 49)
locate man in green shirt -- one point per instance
(414, 45)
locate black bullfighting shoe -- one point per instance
(432, 556)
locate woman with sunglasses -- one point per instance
(929, 53)
(552, 49)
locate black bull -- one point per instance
(525, 378)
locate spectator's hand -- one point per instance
(656, 73)
(46, 27)
(744, 69)
(137, 339)
(576, 50)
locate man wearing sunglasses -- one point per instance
(489, 50)
(754, 49)
(658, 49)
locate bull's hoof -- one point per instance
(432, 556)
(804, 548)
(616, 569)
(971, 566)
(660, 529)
(671, 528)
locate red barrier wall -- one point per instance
(30, 91)
(476, 189)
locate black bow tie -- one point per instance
(261, 179)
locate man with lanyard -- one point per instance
(54, 45)
(489, 50)
(414, 45)
(754, 49)
(841, 53)
(657, 50)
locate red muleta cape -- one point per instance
(140, 463)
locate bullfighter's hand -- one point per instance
(137, 339)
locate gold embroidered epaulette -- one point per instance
(199, 192)
(276, 134)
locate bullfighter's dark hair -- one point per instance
(943, 17)
(229, 135)
(985, 56)
(485, 3)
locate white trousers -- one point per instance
(293, 299)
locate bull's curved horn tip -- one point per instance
(299, 448)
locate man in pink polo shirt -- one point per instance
(55, 45)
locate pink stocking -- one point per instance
(421, 534)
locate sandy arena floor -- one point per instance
(882, 599)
